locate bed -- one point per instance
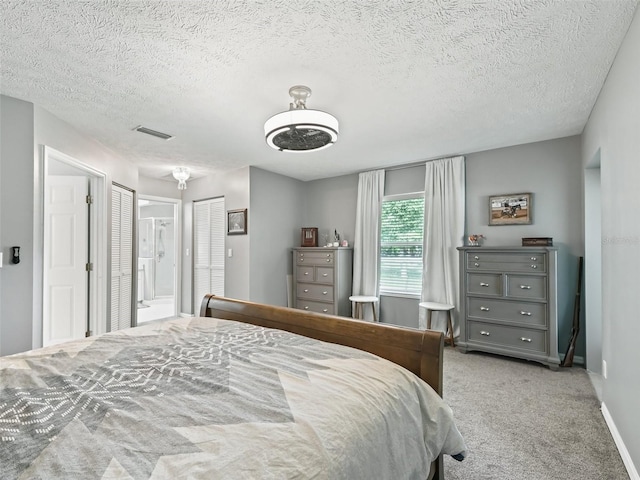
(245, 390)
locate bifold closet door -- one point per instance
(208, 244)
(122, 215)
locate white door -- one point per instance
(66, 237)
(208, 255)
(121, 258)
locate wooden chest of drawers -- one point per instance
(322, 279)
(509, 302)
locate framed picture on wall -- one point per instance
(237, 222)
(510, 209)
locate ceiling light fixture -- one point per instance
(300, 129)
(181, 174)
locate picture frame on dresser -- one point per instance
(510, 209)
(237, 222)
(309, 237)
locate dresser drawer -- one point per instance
(317, 307)
(530, 287)
(507, 267)
(485, 284)
(305, 273)
(510, 337)
(520, 312)
(315, 258)
(324, 275)
(506, 258)
(314, 292)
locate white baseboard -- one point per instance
(185, 315)
(624, 453)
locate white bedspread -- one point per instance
(215, 399)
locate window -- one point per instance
(401, 233)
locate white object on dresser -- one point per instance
(509, 302)
(322, 279)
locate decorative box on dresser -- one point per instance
(508, 302)
(322, 279)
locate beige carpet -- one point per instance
(522, 421)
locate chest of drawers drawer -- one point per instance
(314, 292)
(484, 284)
(527, 287)
(505, 311)
(317, 307)
(506, 336)
(315, 258)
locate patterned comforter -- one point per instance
(216, 399)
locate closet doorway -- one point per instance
(159, 233)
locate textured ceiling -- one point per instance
(408, 80)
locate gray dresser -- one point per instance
(509, 302)
(322, 279)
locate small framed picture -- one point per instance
(309, 237)
(237, 222)
(510, 209)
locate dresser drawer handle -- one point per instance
(486, 334)
(306, 290)
(476, 264)
(527, 314)
(325, 310)
(525, 287)
(533, 259)
(328, 259)
(306, 273)
(483, 284)
(328, 254)
(534, 266)
(325, 292)
(325, 274)
(525, 339)
(301, 259)
(306, 308)
(476, 257)
(484, 309)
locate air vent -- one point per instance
(153, 133)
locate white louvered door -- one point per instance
(208, 255)
(121, 258)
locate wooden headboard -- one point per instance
(419, 351)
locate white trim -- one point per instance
(98, 226)
(177, 215)
(624, 453)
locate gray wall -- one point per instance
(234, 187)
(613, 129)
(16, 223)
(275, 220)
(330, 204)
(25, 128)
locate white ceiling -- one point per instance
(408, 80)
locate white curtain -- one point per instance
(444, 231)
(366, 243)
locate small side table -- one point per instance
(359, 301)
(440, 307)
